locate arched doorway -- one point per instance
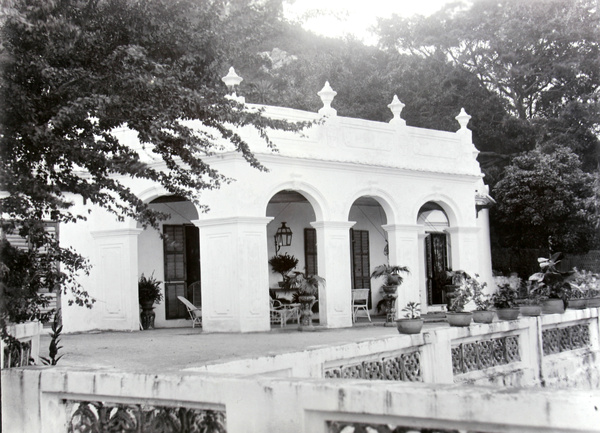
(437, 253)
(172, 255)
(292, 211)
(368, 245)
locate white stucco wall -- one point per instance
(331, 165)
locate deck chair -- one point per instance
(360, 301)
(281, 313)
(195, 312)
(277, 312)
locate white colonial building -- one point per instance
(355, 194)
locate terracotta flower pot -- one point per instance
(553, 306)
(409, 326)
(483, 316)
(576, 304)
(593, 302)
(508, 313)
(530, 310)
(459, 319)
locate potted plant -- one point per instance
(412, 323)
(459, 297)
(530, 306)
(483, 304)
(149, 293)
(505, 302)
(551, 284)
(588, 284)
(283, 264)
(391, 281)
(308, 288)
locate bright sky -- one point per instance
(337, 18)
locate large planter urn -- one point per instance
(483, 316)
(390, 297)
(306, 303)
(409, 326)
(459, 319)
(147, 316)
(553, 306)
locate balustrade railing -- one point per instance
(97, 416)
(404, 367)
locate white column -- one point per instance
(112, 282)
(333, 255)
(234, 274)
(404, 251)
(485, 249)
(464, 249)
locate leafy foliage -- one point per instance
(505, 297)
(307, 285)
(550, 282)
(545, 200)
(391, 274)
(149, 290)
(52, 358)
(412, 310)
(283, 263)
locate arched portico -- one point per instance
(368, 244)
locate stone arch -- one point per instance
(448, 205)
(312, 195)
(385, 200)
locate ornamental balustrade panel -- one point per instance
(562, 339)
(96, 416)
(403, 367)
(482, 354)
(361, 427)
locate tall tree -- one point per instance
(546, 201)
(75, 72)
(541, 58)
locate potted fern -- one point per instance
(412, 323)
(392, 279)
(308, 289)
(283, 264)
(149, 293)
(458, 297)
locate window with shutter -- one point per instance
(361, 275)
(310, 251)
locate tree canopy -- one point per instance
(540, 58)
(546, 201)
(77, 70)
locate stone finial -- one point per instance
(396, 108)
(327, 94)
(463, 119)
(232, 79)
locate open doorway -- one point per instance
(437, 258)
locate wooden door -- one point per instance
(181, 248)
(436, 248)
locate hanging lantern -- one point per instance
(283, 237)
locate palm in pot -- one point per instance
(308, 289)
(392, 279)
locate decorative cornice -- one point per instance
(232, 220)
(116, 232)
